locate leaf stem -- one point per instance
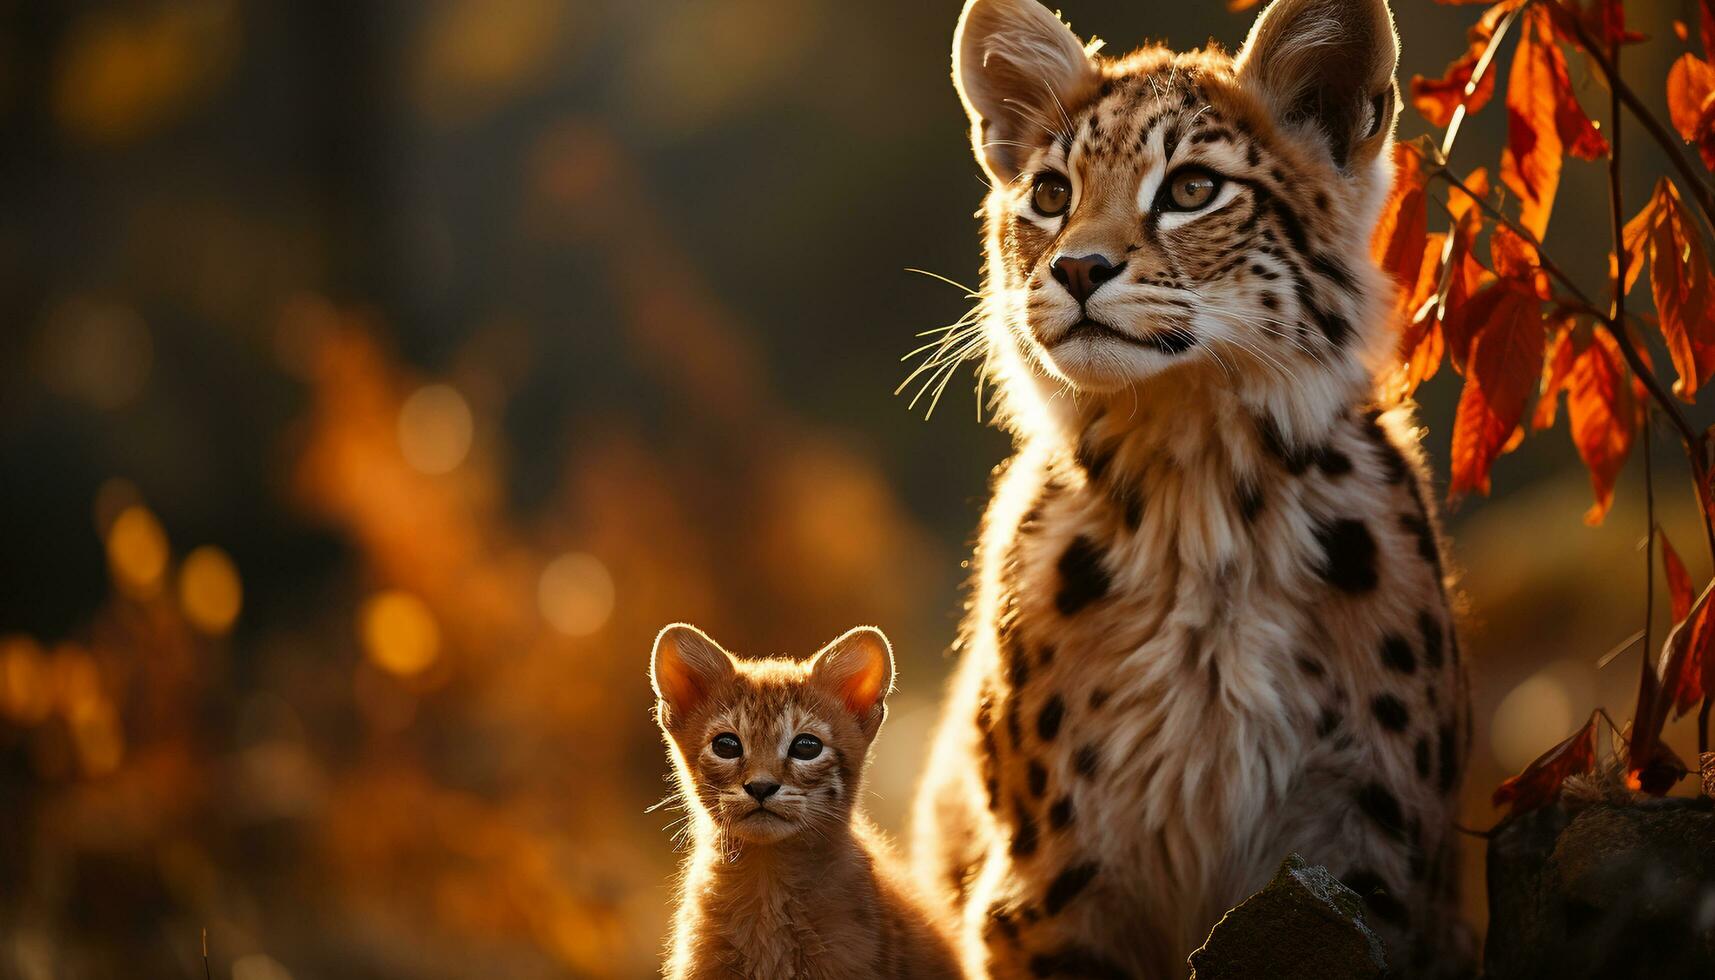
(1694, 444)
(1623, 94)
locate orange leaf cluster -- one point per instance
(1437, 98)
(1682, 283)
(1603, 410)
(1691, 103)
(1544, 122)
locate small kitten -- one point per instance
(786, 878)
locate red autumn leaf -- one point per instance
(1544, 121)
(1237, 5)
(1422, 342)
(1437, 98)
(1506, 353)
(1678, 678)
(1682, 283)
(1706, 25)
(1601, 20)
(1540, 781)
(1691, 104)
(1678, 582)
(1400, 234)
(1602, 416)
(1463, 276)
(1681, 31)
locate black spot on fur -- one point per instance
(1430, 625)
(1250, 500)
(1094, 460)
(1397, 655)
(1060, 814)
(1310, 666)
(1017, 664)
(1333, 462)
(1422, 756)
(1086, 760)
(1098, 697)
(1066, 886)
(1048, 720)
(1000, 917)
(1390, 712)
(1329, 721)
(1380, 805)
(1037, 776)
(1024, 836)
(1296, 461)
(1349, 555)
(1449, 764)
(1076, 961)
(1083, 580)
(1014, 728)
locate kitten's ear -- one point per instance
(1017, 69)
(857, 668)
(685, 669)
(1326, 68)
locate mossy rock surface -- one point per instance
(1303, 925)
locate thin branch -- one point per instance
(1670, 142)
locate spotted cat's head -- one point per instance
(1161, 214)
(769, 749)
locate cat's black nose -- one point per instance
(761, 790)
(1083, 275)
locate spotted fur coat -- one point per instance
(1208, 624)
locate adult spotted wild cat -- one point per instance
(786, 877)
(1209, 624)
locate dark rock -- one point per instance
(1303, 925)
(1609, 890)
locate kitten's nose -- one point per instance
(1083, 275)
(761, 790)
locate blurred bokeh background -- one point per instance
(377, 377)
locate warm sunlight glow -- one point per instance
(435, 429)
(399, 632)
(209, 590)
(24, 694)
(137, 551)
(575, 594)
(1530, 719)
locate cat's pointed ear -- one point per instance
(685, 669)
(857, 668)
(1017, 67)
(1326, 70)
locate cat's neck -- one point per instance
(799, 863)
(1198, 414)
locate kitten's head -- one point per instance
(771, 748)
(1162, 210)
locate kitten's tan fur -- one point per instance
(788, 881)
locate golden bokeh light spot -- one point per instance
(399, 632)
(137, 551)
(96, 733)
(1530, 719)
(26, 694)
(209, 590)
(435, 429)
(575, 594)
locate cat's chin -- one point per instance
(1099, 359)
(763, 827)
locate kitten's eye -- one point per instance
(805, 747)
(726, 745)
(1050, 195)
(1190, 190)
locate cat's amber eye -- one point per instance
(1050, 195)
(805, 747)
(1190, 189)
(727, 746)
